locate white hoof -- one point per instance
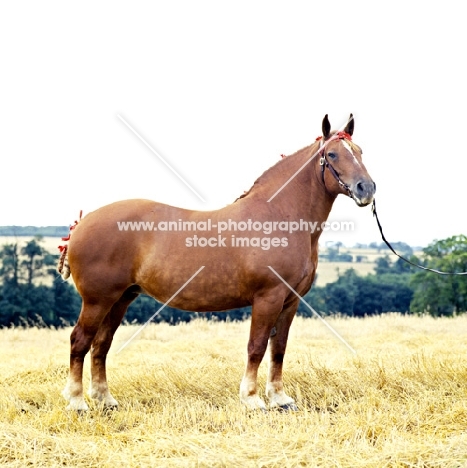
(253, 402)
(279, 399)
(102, 396)
(77, 404)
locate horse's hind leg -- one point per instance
(277, 344)
(98, 388)
(81, 338)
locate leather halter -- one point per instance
(324, 163)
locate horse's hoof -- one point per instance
(77, 404)
(289, 407)
(253, 403)
(109, 408)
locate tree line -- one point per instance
(31, 231)
(32, 292)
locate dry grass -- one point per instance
(402, 401)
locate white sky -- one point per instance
(220, 90)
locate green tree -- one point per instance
(66, 303)
(358, 296)
(36, 260)
(383, 265)
(10, 264)
(442, 294)
(24, 303)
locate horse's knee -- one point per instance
(81, 339)
(101, 344)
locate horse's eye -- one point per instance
(332, 155)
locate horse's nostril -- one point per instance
(365, 188)
(362, 187)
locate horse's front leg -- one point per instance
(277, 344)
(263, 317)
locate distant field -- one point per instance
(328, 272)
(50, 243)
(400, 402)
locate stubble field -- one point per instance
(401, 401)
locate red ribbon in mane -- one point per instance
(344, 136)
(338, 136)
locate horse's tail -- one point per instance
(63, 266)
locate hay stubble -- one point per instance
(402, 401)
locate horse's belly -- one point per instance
(197, 289)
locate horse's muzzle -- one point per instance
(363, 192)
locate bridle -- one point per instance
(324, 163)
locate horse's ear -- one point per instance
(326, 127)
(349, 127)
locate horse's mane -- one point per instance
(285, 162)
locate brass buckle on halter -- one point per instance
(321, 161)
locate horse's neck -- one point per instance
(296, 187)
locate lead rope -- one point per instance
(373, 208)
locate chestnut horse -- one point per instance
(111, 261)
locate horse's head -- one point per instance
(342, 169)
